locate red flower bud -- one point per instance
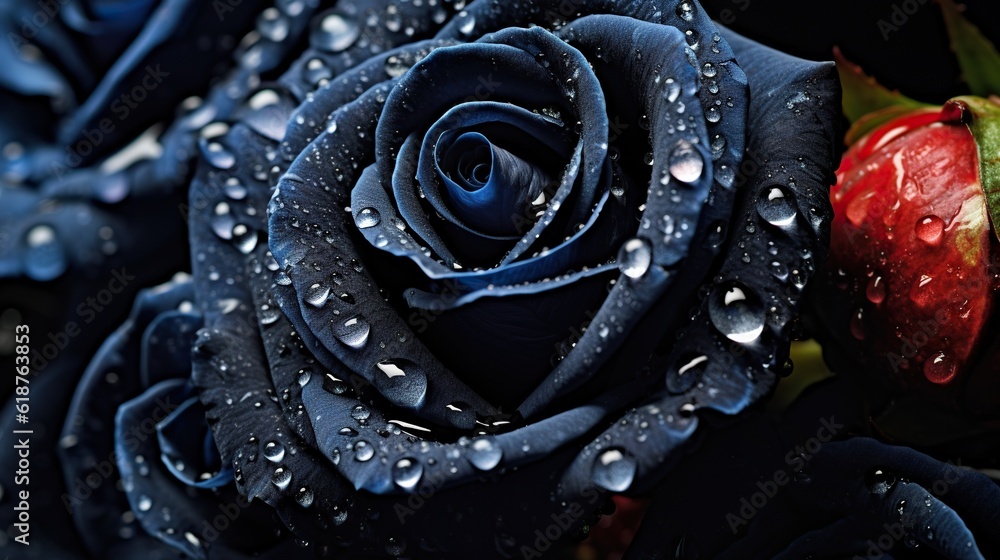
(913, 269)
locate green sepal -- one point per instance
(985, 127)
(863, 95)
(977, 56)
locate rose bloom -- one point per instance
(460, 273)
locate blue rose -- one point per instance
(508, 263)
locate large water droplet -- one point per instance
(466, 23)
(688, 372)
(484, 454)
(736, 312)
(244, 238)
(939, 368)
(685, 163)
(274, 451)
(316, 295)
(857, 325)
(635, 257)
(777, 206)
(336, 32)
(406, 473)
(367, 217)
(281, 478)
(395, 546)
(401, 381)
(930, 229)
(614, 470)
(363, 451)
(355, 332)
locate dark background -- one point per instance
(915, 58)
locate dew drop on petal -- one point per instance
(244, 238)
(406, 473)
(336, 32)
(44, 258)
(355, 332)
(304, 497)
(363, 451)
(939, 368)
(368, 217)
(685, 163)
(614, 470)
(281, 478)
(635, 257)
(685, 11)
(461, 415)
(484, 454)
(274, 451)
(317, 294)
(776, 206)
(736, 312)
(930, 229)
(875, 291)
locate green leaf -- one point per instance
(977, 56)
(985, 127)
(863, 95)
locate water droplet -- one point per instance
(718, 146)
(336, 32)
(880, 481)
(234, 189)
(244, 238)
(273, 25)
(406, 473)
(876, 290)
(274, 451)
(395, 67)
(708, 70)
(360, 412)
(368, 217)
(304, 377)
(736, 312)
(614, 470)
(467, 23)
(484, 454)
(281, 478)
(939, 368)
(687, 374)
(919, 292)
(713, 115)
(777, 206)
(304, 497)
(402, 382)
(355, 332)
(144, 504)
(635, 257)
(686, 164)
(930, 229)
(363, 451)
(317, 294)
(217, 155)
(395, 546)
(685, 11)
(44, 259)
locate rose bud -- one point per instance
(913, 273)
